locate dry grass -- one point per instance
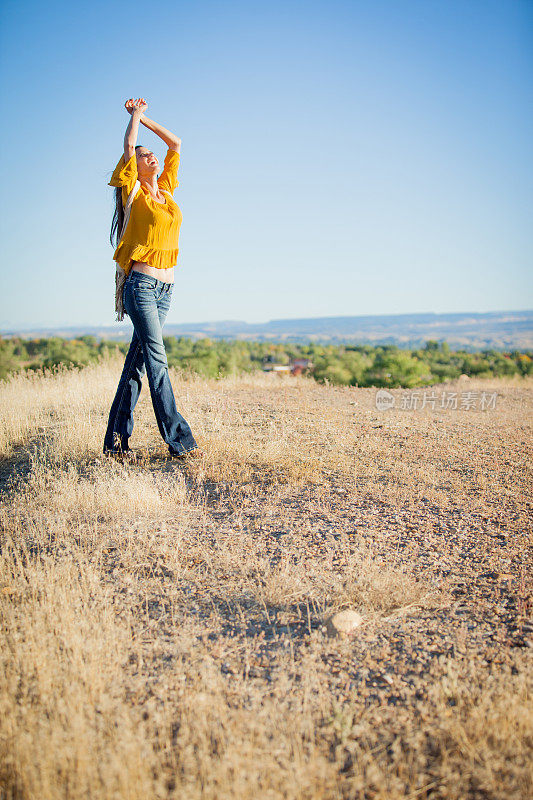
(163, 625)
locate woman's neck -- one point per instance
(150, 184)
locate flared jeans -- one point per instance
(147, 301)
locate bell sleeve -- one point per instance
(168, 179)
(125, 175)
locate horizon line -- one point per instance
(15, 328)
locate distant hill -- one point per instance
(502, 330)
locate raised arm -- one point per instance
(171, 141)
(136, 109)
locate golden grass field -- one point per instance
(163, 624)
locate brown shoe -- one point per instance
(194, 452)
(128, 456)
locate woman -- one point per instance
(146, 256)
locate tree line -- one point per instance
(384, 365)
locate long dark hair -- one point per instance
(118, 215)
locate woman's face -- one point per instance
(147, 163)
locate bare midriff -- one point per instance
(165, 275)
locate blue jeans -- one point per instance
(146, 301)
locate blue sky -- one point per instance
(338, 158)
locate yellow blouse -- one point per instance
(153, 228)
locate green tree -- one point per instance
(397, 369)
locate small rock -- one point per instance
(343, 623)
